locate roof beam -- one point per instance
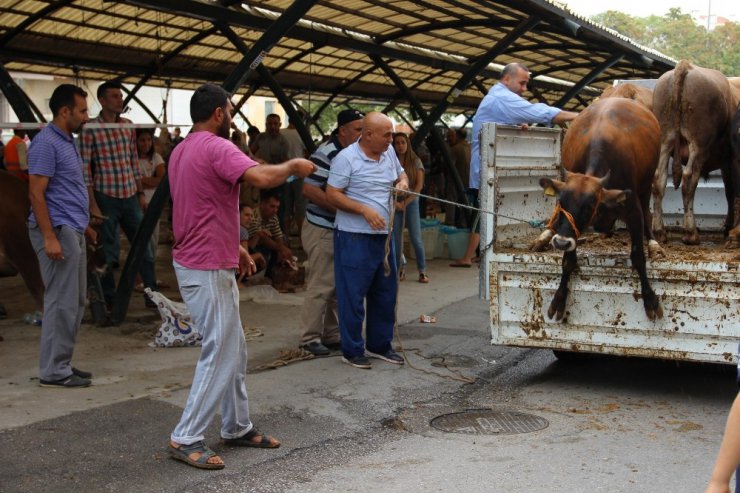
(436, 137)
(211, 12)
(254, 55)
(30, 20)
(274, 86)
(16, 97)
(588, 79)
(469, 75)
(437, 26)
(340, 88)
(130, 95)
(172, 54)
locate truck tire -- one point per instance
(567, 356)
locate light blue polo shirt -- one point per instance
(501, 105)
(54, 154)
(366, 181)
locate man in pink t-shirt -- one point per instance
(205, 173)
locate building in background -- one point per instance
(39, 88)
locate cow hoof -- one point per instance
(733, 238)
(654, 313)
(555, 313)
(692, 239)
(655, 250)
(542, 241)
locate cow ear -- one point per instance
(614, 198)
(551, 186)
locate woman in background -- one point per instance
(408, 207)
(151, 164)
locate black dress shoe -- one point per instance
(71, 382)
(315, 348)
(81, 373)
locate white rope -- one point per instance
(38, 126)
(324, 173)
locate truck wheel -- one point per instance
(566, 356)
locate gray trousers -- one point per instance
(65, 287)
(212, 297)
(319, 313)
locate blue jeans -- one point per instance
(360, 278)
(413, 224)
(127, 213)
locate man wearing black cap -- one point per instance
(319, 326)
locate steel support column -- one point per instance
(139, 245)
(588, 79)
(253, 56)
(274, 86)
(130, 95)
(15, 96)
(436, 137)
(35, 109)
(469, 75)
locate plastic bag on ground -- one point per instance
(177, 329)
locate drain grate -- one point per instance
(489, 422)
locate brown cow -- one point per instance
(16, 252)
(733, 240)
(611, 152)
(694, 106)
(641, 94)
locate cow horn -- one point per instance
(605, 178)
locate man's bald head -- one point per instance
(515, 77)
(377, 133)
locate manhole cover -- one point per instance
(489, 422)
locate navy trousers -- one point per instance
(360, 278)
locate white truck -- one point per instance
(699, 286)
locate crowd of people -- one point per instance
(348, 202)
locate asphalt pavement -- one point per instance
(605, 424)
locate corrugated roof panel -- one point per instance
(112, 30)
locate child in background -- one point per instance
(246, 215)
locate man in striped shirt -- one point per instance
(319, 325)
(113, 178)
(265, 230)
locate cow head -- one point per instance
(579, 199)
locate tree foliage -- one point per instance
(677, 35)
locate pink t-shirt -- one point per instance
(203, 172)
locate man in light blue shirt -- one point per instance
(359, 186)
(504, 104)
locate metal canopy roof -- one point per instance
(357, 49)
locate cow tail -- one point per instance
(679, 74)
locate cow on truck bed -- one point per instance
(611, 152)
(733, 240)
(694, 106)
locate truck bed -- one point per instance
(698, 286)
